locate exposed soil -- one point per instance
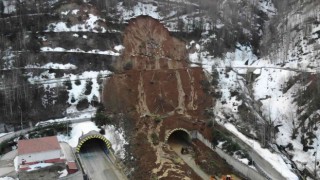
(211, 162)
(157, 89)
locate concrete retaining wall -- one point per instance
(259, 161)
(235, 163)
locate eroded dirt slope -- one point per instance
(159, 91)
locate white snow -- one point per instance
(116, 137)
(79, 116)
(75, 11)
(38, 166)
(65, 12)
(16, 163)
(7, 178)
(9, 6)
(77, 91)
(118, 48)
(268, 7)
(90, 25)
(8, 58)
(269, 83)
(77, 50)
(63, 173)
(3, 134)
(44, 76)
(77, 131)
(275, 159)
(52, 66)
(49, 49)
(137, 10)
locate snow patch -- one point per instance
(7, 178)
(77, 131)
(275, 159)
(16, 163)
(116, 137)
(38, 166)
(9, 6)
(118, 48)
(63, 173)
(90, 25)
(77, 50)
(52, 66)
(137, 10)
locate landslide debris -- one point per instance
(155, 87)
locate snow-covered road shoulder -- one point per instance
(274, 159)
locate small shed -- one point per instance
(72, 167)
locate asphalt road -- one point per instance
(97, 165)
(176, 144)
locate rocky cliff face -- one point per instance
(159, 91)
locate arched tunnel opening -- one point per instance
(94, 152)
(179, 140)
(93, 145)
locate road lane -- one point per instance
(98, 165)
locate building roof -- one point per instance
(72, 165)
(38, 145)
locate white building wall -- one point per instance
(41, 156)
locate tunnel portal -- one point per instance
(178, 135)
(93, 138)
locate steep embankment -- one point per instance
(157, 89)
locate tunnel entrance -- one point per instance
(179, 141)
(94, 151)
(93, 139)
(94, 144)
(179, 137)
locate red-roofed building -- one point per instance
(46, 149)
(72, 167)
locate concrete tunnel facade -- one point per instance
(171, 132)
(92, 135)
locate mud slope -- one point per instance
(159, 91)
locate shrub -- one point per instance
(128, 66)
(215, 77)
(205, 85)
(77, 82)
(88, 87)
(154, 138)
(102, 131)
(68, 85)
(157, 119)
(101, 119)
(82, 104)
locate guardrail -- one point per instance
(235, 163)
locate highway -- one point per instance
(98, 165)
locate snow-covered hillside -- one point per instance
(261, 56)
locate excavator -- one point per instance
(227, 177)
(224, 177)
